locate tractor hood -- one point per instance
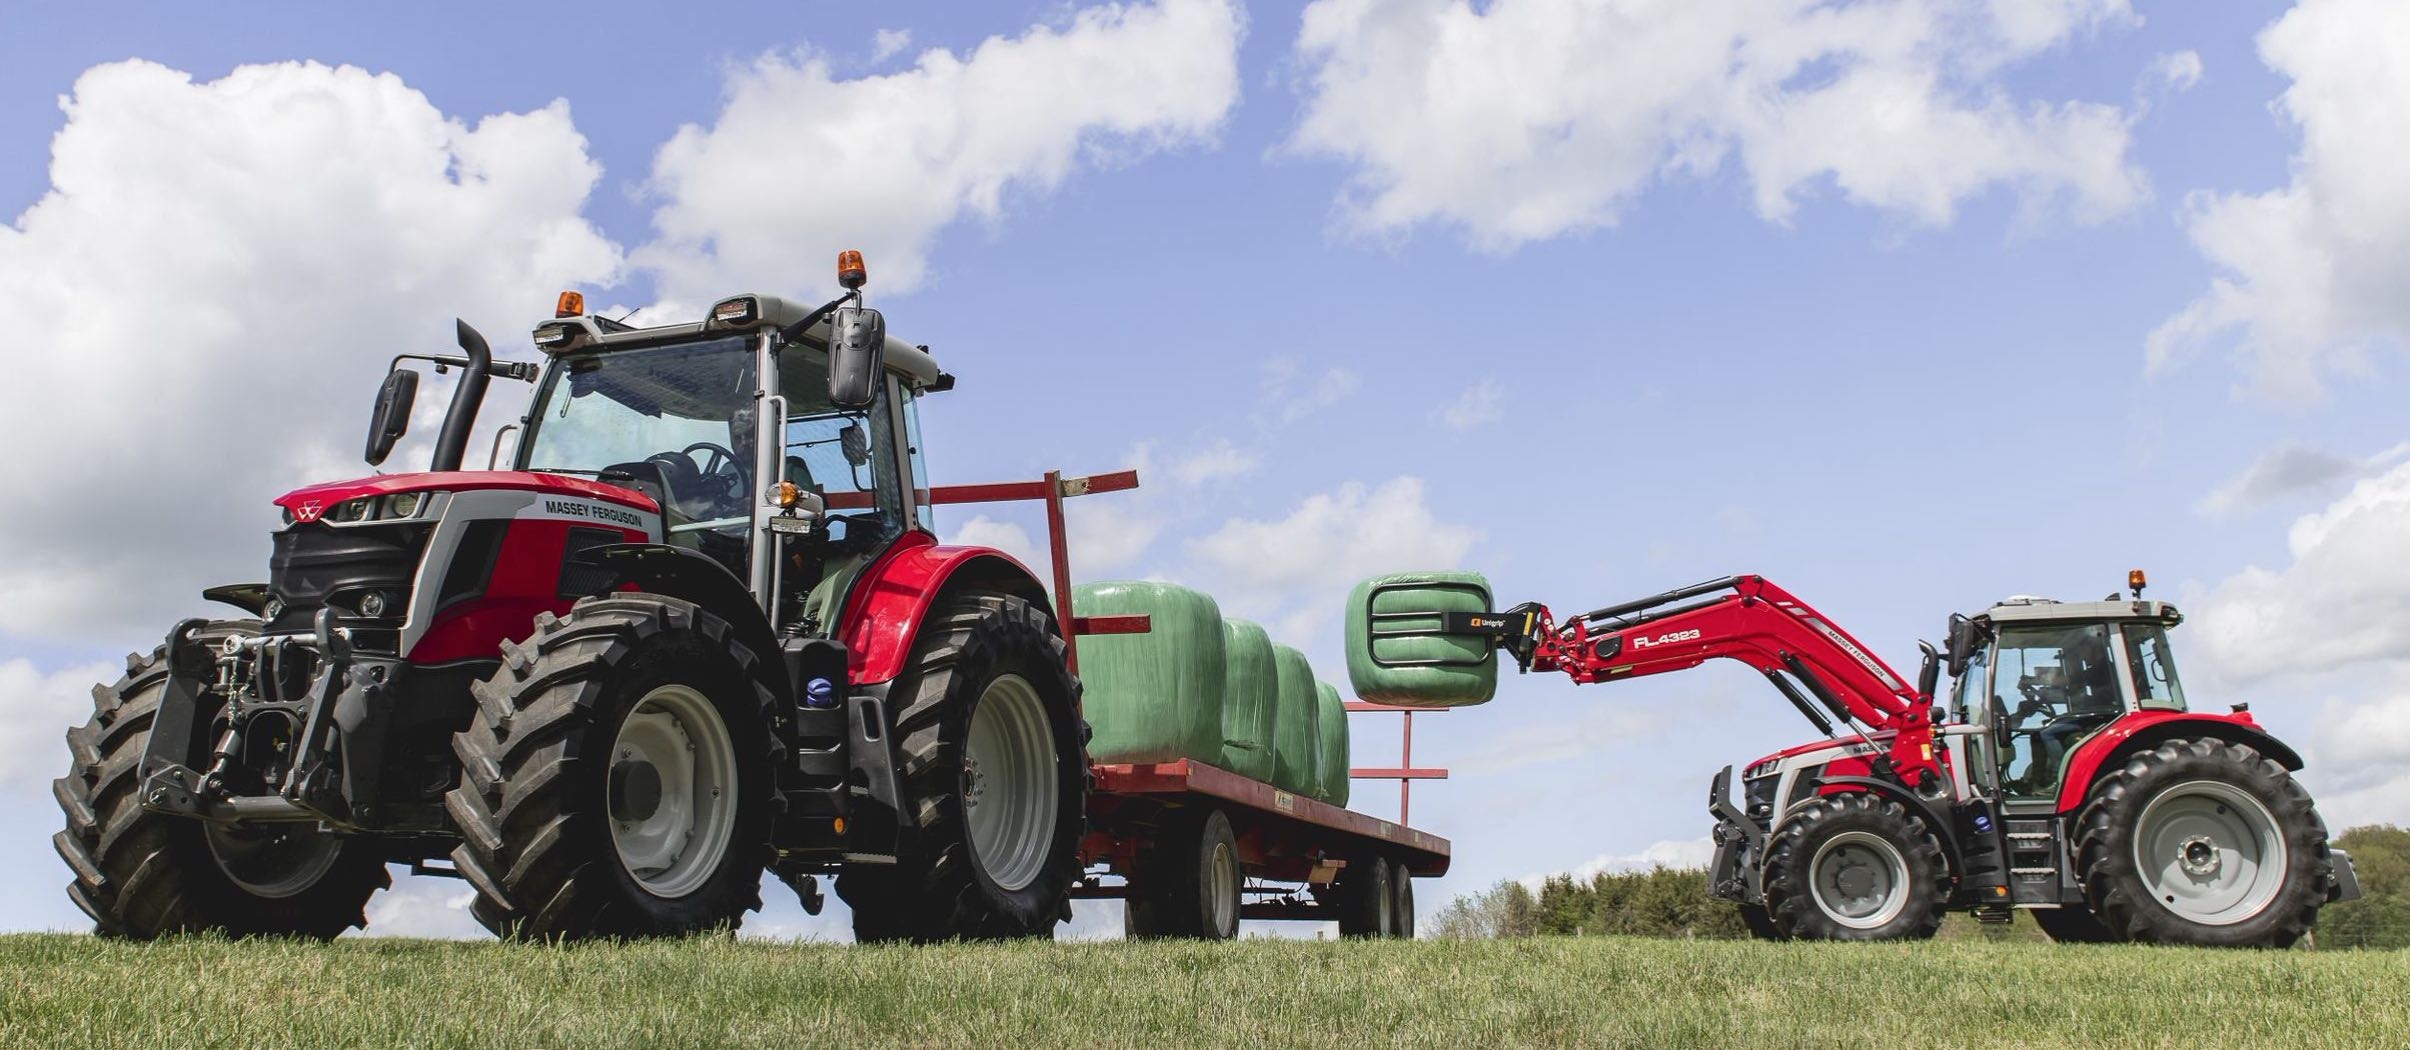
(308, 504)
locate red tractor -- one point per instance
(699, 628)
(2065, 776)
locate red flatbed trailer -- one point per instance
(1152, 828)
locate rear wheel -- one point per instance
(994, 780)
(1856, 867)
(2204, 842)
(604, 790)
(140, 874)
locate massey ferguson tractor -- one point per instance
(699, 628)
(2064, 777)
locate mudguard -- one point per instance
(2141, 729)
(1933, 818)
(884, 611)
(658, 568)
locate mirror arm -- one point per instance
(794, 332)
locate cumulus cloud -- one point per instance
(1218, 461)
(2178, 70)
(1521, 120)
(1477, 405)
(2360, 748)
(36, 708)
(800, 164)
(2345, 599)
(1291, 393)
(2310, 277)
(2292, 470)
(1671, 853)
(887, 43)
(217, 276)
(1293, 572)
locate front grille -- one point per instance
(313, 566)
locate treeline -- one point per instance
(1673, 902)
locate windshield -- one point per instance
(675, 421)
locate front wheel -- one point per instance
(616, 779)
(1856, 867)
(2204, 842)
(994, 780)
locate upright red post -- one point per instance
(1405, 786)
(1061, 551)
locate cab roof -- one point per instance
(911, 363)
(2044, 610)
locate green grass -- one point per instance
(68, 991)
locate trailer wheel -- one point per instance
(1367, 904)
(141, 875)
(2204, 842)
(993, 776)
(1401, 901)
(1856, 867)
(1193, 886)
(2071, 924)
(615, 781)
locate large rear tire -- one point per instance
(141, 875)
(1856, 867)
(994, 781)
(615, 781)
(2204, 842)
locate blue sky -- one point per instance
(1901, 375)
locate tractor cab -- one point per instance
(2044, 676)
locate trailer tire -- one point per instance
(988, 676)
(1856, 867)
(141, 874)
(1401, 901)
(616, 778)
(1367, 906)
(1194, 886)
(2071, 924)
(2210, 813)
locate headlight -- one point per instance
(402, 504)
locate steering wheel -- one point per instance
(716, 489)
(722, 461)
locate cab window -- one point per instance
(2155, 683)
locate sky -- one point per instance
(1909, 305)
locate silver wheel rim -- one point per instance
(273, 861)
(1223, 879)
(1008, 783)
(672, 791)
(1860, 880)
(2210, 852)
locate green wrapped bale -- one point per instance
(1397, 649)
(1153, 697)
(1250, 698)
(1330, 745)
(1295, 747)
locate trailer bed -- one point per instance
(1293, 832)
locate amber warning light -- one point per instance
(572, 304)
(2135, 580)
(850, 271)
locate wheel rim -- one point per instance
(1008, 783)
(273, 861)
(1222, 878)
(2209, 852)
(1860, 879)
(672, 791)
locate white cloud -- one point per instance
(2292, 470)
(887, 43)
(217, 277)
(423, 906)
(2178, 71)
(1011, 538)
(800, 164)
(1477, 405)
(36, 709)
(1292, 394)
(2310, 276)
(1672, 853)
(1293, 573)
(2345, 599)
(1520, 120)
(1586, 736)
(1215, 462)
(2360, 749)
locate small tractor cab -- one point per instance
(2064, 775)
(698, 628)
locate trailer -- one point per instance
(1192, 848)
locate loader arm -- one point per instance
(1812, 661)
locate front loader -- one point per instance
(698, 628)
(2065, 775)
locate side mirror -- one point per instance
(1928, 677)
(857, 344)
(392, 415)
(1965, 640)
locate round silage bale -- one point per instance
(1250, 699)
(1294, 723)
(1331, 756)
(1157, 696)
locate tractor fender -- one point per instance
(675, 572)
(2106, 750)
(884, 611)
(1935, 819)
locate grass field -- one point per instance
(67, 991)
